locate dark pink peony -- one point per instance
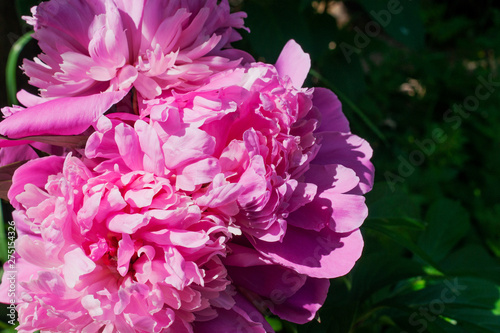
(204, 211)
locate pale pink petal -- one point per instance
(187, 147)
(34, 251)
(197, 173)
(153, 160)
(27, 99)
(127, 223)
(125, 252)
(294, 63)
(76, 264)
(34, 172)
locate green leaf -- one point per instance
(469, 304)
(397, 222)
(488, 218)
(393, 215)
(10, 329)
(473, 260)
(402, 22)
(398, 232)
(448, 222)
(275, 323)
(377, 270)
(383, 203)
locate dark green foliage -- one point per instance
(434, 211)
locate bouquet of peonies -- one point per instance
(188, 188)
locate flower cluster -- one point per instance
(217, 191)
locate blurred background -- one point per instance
(419, 81)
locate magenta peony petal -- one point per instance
(197, 173)
(313, 216)
(303, 305)
(273, 282)
(350, 151)
(65, 116)
(5, 143)
(330, 176)
(324, 254)
(26, 274)
(349, 211)
(127, 142)
(332, 117)
(153, 160)
(243, 317)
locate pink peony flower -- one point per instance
(207, 209)
(95, 46)
(96, 51)
(113, 252)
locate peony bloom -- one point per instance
(206, 210)
(113, 252)
(95, 52)
(95, 46)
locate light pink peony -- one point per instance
(95, 46)
(113, 252)
(243, 196)
(95, 52)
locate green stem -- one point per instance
(10, 71)
(351, 104)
